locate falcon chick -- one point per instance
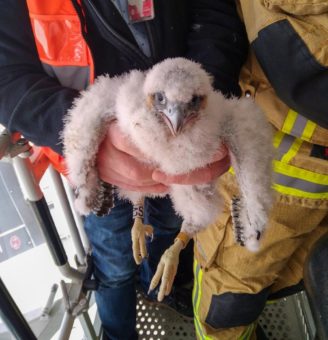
(177, 120)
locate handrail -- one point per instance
(35, 198)
(18, 151)
(12, 316)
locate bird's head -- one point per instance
(176, 91)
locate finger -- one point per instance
(152, 189)
(166, 277)
(157, 277)
(199, 176)
(220, 153)
(122, 142)
(120, 181)
(142, 245)
(135, 246)
(111, 160)
(107, 160)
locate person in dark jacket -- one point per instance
(36, 97)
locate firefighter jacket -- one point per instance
(286, 72)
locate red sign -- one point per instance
(15, 242)
(140, 10)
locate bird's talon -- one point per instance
(151, 236)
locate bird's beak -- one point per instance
(174, 115)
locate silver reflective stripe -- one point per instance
(299, 184)
(299, 126)
(284, 146)
(75, 77)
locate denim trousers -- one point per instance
(114, 265)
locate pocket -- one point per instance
(229, 310)
(208, 241)
(298, 7)
(62, 32)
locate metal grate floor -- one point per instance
(278, 323)
(158, 322)
(286, 319)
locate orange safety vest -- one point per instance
(62, 50)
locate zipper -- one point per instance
(78, 9)
(152, 43)
(122, 44)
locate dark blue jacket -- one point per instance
(207, 31)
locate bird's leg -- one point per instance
(139, 232)
(168, 265)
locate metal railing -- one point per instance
(76, 293)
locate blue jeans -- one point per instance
(115, 268)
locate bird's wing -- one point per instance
(84, 128)
(249, 139)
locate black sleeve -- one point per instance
(218, 41)
(295, 74)
(32, 103)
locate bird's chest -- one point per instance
(191, 149)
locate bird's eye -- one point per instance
(159, 98)
(196, 100)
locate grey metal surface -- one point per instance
(67, 211)
(288, 319)
(156, 322)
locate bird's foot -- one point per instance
(168, 266)
(139, 232)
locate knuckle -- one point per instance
(133, 173)
(212, 175)
(207, 175)
(130, 173)
(188, 178)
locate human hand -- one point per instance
(120, 163)
(220, 164)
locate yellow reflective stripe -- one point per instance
(291, 180)
(278, 138)
(196, 296)
(292, 151)
(270, 302)
(200, 277)
(289, 121)
(308, 130)
(194, 288)
(198, 329)
(195, 293)
(306, 175)
(196, 301)
(289, 124)
(299, 193)
(248, 332)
